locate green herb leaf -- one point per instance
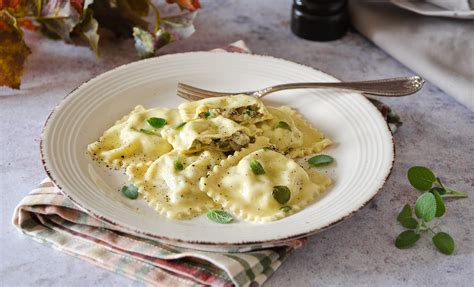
(256, 167)
(281, 194)
(130, 191)
(207, 114)
(440, 208)
(444, 242)
(148, 132)
(421, 178)
(157, 122)
(286, 209)
(321, 159)
(180, 126)
(425, 206)
(406, 239)
(178, 165)
(219, 216)
(409, 222)
(283, 125)
(440, 190)
(405, 213)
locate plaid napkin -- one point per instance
(48, 216)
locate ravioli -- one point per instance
(281, 130)
(250, 197)
(171, 183)
(132, 140)
(216, 133)
(242, 109)
(176, 158)
(313, 140)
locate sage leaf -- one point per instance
(256, 167)
(283, 125)
(405, 213)
(130, 191)
(409, 223)
(425, 206)
(281, 194)
(406, 239)
(219, 216)
(440, 207)
(180, 126)
(178, 166)
(321, 159)
(286, 209)
(148, 132)
(421, 178)
(444, 243)
(156, 122)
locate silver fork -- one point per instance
(394, 87)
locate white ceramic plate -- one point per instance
(363, 147)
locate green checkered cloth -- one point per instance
(48, 216)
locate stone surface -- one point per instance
(437, 132)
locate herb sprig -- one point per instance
(423, 179)
(428, 206)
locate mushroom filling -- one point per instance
(240, 114)
(235, 142)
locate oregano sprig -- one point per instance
(423, 179)
(428, 206)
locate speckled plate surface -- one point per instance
(363, 146)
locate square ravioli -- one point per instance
(217, 133)
(277, 187)
(314, 141)
(281, 130)
(132, 139)
(170, 184)
(242, 109)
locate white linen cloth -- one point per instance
(439, 49)
(455, 5)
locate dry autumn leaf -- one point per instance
(191, 5)
(68, 19)
(13, 51)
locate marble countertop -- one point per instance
(437, 132)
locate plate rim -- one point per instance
(203, 242)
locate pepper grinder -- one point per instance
(319, 20)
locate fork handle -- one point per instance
(395, 87)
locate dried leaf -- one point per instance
(11, 5)
(13, 51)
(18, 8)
(58, 18)
(27, 24)
(139, 6)
(110, 17)
(179, 26)
(128, 12)
(89, 27)
(147, 43)
(191, 5)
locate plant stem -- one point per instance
(454, 194)
(425, 227)
(450, 193)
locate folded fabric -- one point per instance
(438, 49)
(48, 216)
(455, 5)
